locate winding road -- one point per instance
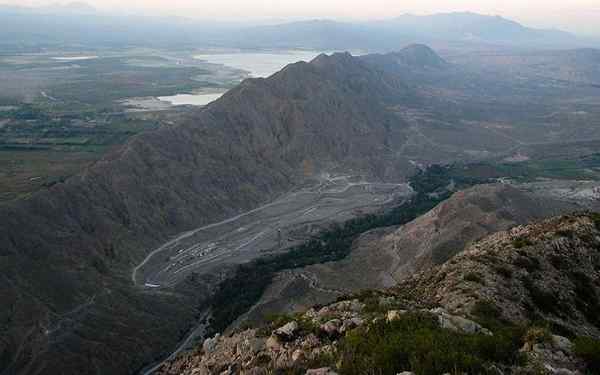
(271, 227)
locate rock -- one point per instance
(321, 371)
(288, 331)
(458, 323)
(256, 371)
(273, 343)
(332, 327)
(559, 371)
(350, 324)
(297, 355)
(311, 314)
(353, 305)
(210, 344)
(394, 315)
(387, 301)
(562, 343)
(406, 373)
(310, 341)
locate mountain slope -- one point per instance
(479, 313)
(383, 257)
(68, 252)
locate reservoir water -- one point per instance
(256, 64)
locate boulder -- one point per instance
(331, 327)
(273, 343)
(458, 323)
(297, 355)
(350, 324)
(288, 331)
(321, 371)
(210, 344)
(562, 343)
(394, 315)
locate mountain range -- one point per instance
(68, 252)
(79, 24)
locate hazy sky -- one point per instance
(574, 15)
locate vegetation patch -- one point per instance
(588, 349)
(521, 242)
(546, 301)
(474, 277)
(538, 335)
(487, 313)
(504, 271)
(529, 264)
(586, 298)
(415, 342)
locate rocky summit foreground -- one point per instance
(521, 301)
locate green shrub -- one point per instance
(586, 298)
(487, 311)
(530, 264)
(521, 242)
(588, 349)
(504, 271)
(474, 277)
(538, 335)
(567, 233)
(416, 343)
(595, 216)
(546, 301)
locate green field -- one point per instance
(57, 117)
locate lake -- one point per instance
(74, 58)
(257, 64)
(191, 99)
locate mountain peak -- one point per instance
(420, 55)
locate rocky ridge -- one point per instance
(530, 279)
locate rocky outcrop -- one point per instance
(545, 271)
(289, 346)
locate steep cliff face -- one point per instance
(511, 303)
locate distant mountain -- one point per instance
(392, 33)
(78, 24)
(473, 27)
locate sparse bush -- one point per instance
(586, 298)
(559, 262)
(538, 335)
(416, 343)
(486, 310)
(504, 271)
(567, 233)
(588, 349)
(546, 301)
(530, 264)
(473, 277)
(521, 242)
(595, 216)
